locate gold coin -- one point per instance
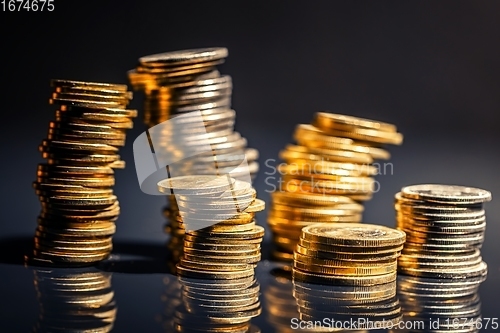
(354, 256)
(349, 248)
(328, 154)
(300, 275)
(327, 167)
(350, 271)
(332, 120)
(341, 263)
(298, 199)
(193, 184)
(361, 235)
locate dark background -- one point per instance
(430, 67)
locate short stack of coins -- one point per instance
(351, 254)
(182, 82)
(221, 250)
(441, 260)
(74, 186)
(327, 175)
(347, 307)
(80, 300)
(350, 266)
(438, 305)
(445, 228)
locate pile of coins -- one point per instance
(445, 230)
(79, 300)
(438, 305)
(347, 307)
(221, 249)
(186, 83)
(347, 254)
(75, 184)
(327, 175)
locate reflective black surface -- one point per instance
(134, 290)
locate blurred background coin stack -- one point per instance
(75, 184)
(74, 300)
(327, 175)
(351, 254)
(441, 260)
(177, 83)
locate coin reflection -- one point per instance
(217, 305)
(329, 308)
(280, 303)
(437, 305)
(74, 300)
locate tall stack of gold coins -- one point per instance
(221, 250)
(441, 260)
(80, 300)
(187, 81)
(327, 175)
(352, 266)
(75, 183)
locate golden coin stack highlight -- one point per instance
(75, 301)
(445, 225)
(221, 250)
(327, 175)
(348, 254)
(179, 82)
(74, 186)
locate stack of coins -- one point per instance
(347, 254)
(216, 305)
(79, 300)
(347, 307)
(183, 82)
(280, 304)
(327, 175)
(221, 250)
(445, 227)
(75, 184)
(438, 305)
